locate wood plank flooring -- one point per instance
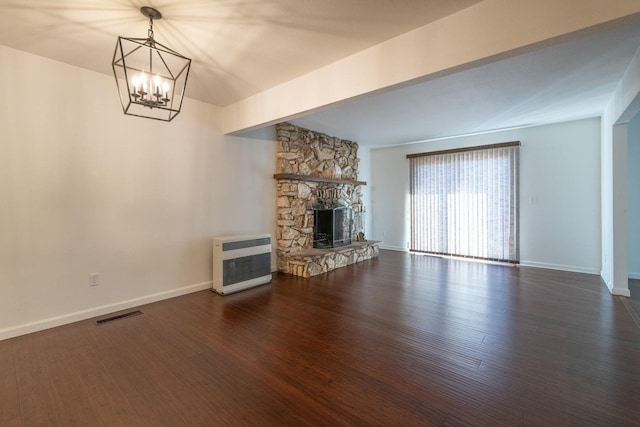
(402, 339)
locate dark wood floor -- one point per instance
(400, 340)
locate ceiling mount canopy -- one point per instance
(151, 78)
(150, 12)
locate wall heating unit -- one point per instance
(241, 262)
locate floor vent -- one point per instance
(118, 317)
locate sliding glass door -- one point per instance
(464, 202)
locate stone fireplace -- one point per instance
(316, 172)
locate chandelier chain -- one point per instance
(150, 32)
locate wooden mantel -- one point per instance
(317, 179)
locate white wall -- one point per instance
(559, 200)
(85, 189)
(633, 191)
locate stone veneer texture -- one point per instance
(309, 264)
(305, 152)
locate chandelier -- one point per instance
(151, 78)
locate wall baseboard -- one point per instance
(634, 276)
(561, 267)
(621, 292)
(394, 248)
(53, 322)
(571, 268)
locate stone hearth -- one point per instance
(314, 168)
(312, 262)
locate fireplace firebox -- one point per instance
(332, 227)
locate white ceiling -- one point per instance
(238, 47)
(564, 82)
(243, 47)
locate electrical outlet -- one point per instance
(94, 279)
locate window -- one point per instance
(465, 202)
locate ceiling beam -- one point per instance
(483, 33)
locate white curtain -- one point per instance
(465, 202)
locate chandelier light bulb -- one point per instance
(135, 82)
(157, 81)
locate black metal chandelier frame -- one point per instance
(148, 88)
